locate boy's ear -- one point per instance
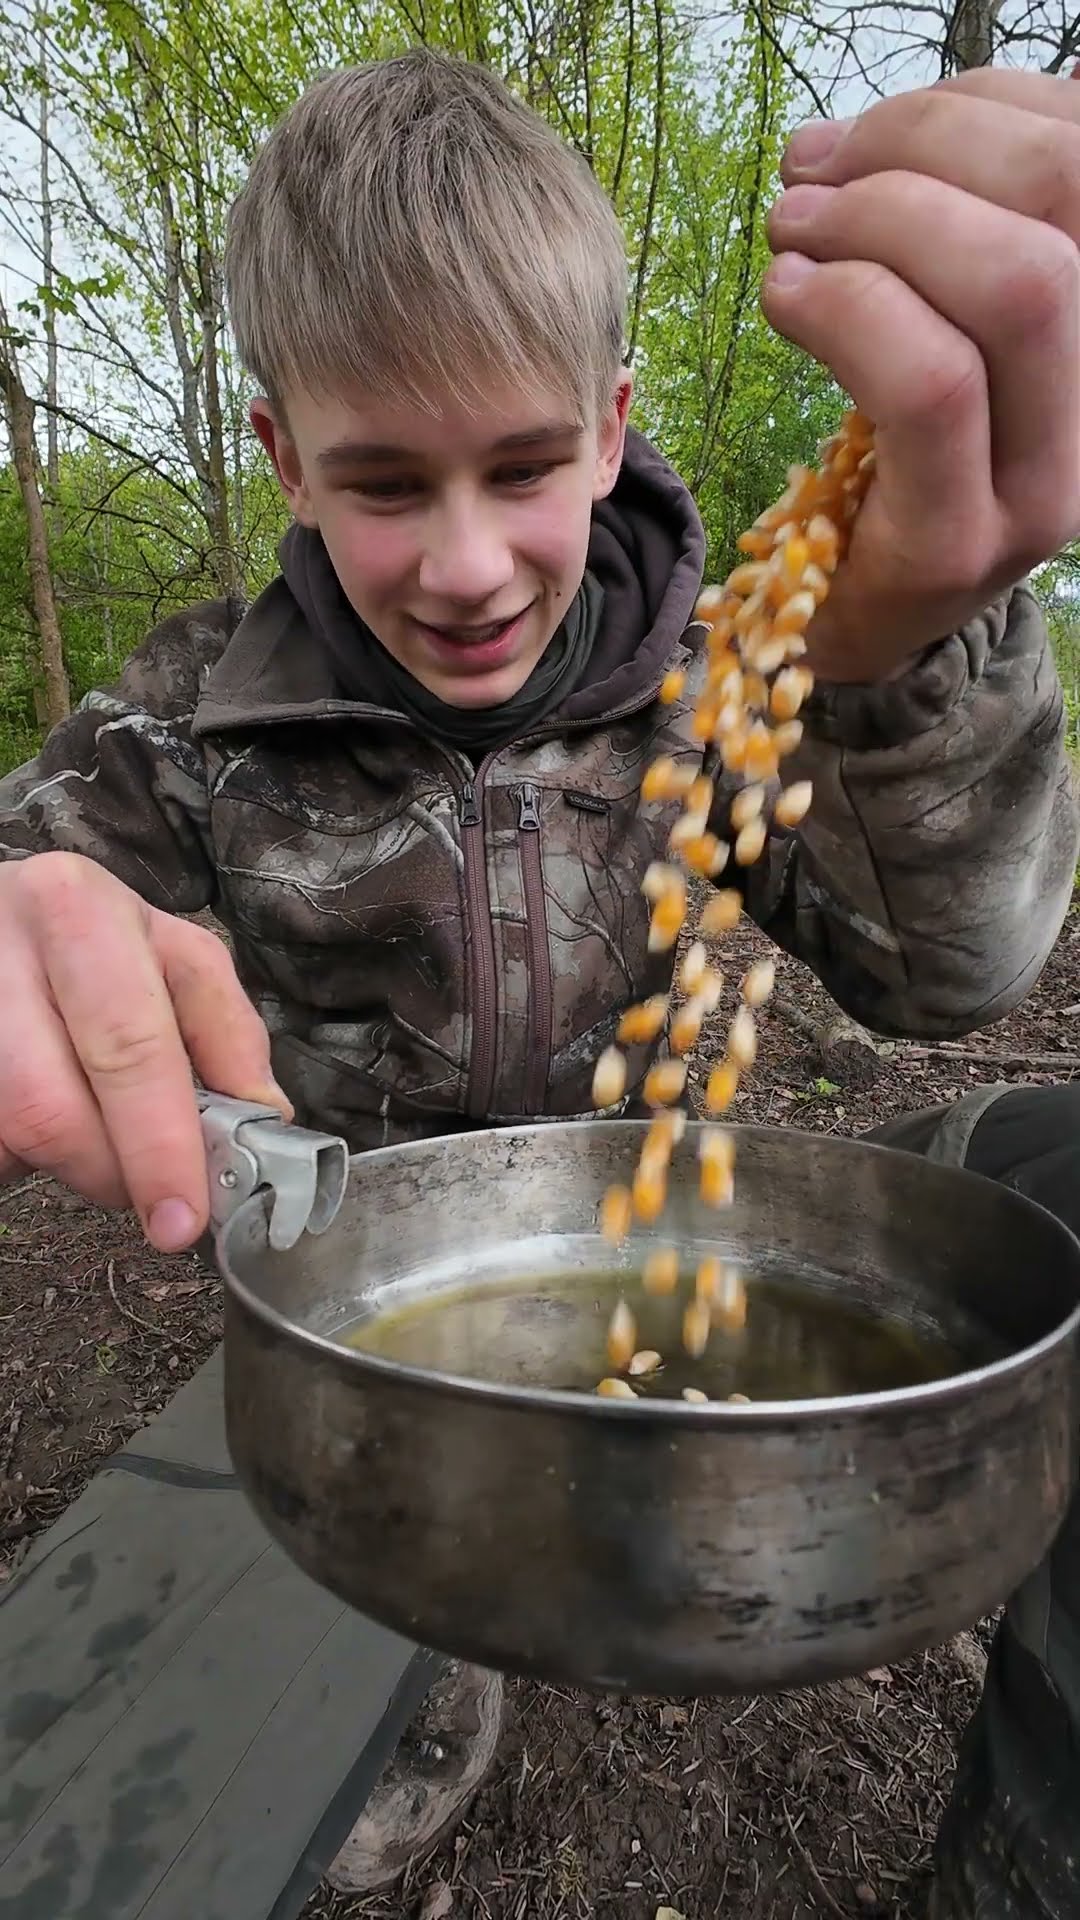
(611, 437)
(281, 447)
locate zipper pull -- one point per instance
(470, 812)
(528, 817)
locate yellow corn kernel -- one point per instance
(750, 843)
(663, 780)
(709, 993)
(716, 1184)
(660, 1274)
(760, 758)
(662, 1136)
(721, 1087)
(686, 1028)
(709, 602)
(742, 1040)
(699, 796)
(642, 1023)
(706, 855)
(739, 1399)
(793, 804)
(787, 738)
(756, 542)
(703, 724)
(615, 1390)
(733, 750)
(660, 878)
(646, 1360)
(697, 1322)
(649, 1193)
(789, 690)
(616, 1214)
(695, 1396)
(666, 923)
(609, 1078)
(721, 912)
(824, 542)
(758, 982)
(718, 1144)
(755, 691)
(671, 687)
(746, 580)
(689, 826)
(794, 560)
(664, 1083)
(751, 613)
(692, 971)
(815, 582)
(729, 1304)
(707, 1278)
(796, 614)
(746, 806)
(621, 1337)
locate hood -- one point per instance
(647, 551)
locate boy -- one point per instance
(407, 778)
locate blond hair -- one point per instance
(411, 229)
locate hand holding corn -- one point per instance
(928, 256)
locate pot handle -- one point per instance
(249, 1147)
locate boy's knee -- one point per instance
(1026, 1137)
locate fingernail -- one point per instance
(172, 1225)
(790, 271)
(811, 145)
(800, 204)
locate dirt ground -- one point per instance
(768, 1809)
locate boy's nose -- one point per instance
(468, 561)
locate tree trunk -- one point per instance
(20, 420)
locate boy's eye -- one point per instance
(396, 487)
(524, 473)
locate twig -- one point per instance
(9, 1445)
(826, 1893)
(951, 1050)
(163, 1333)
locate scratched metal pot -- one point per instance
(657, 1546)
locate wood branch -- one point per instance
(19, 409)
(980, 1056)
(843, 1050)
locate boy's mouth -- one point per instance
(474, 649)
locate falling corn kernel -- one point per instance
(700, 795)
(616, 1214)
(716, 1184)
(710, 991)
(788, 693)
(718, 1144)
(750, 843)
(645, 1361)
(671, 687)
(609, 1078)
(787, 738)
(660, 1274)
(615, 1390)
(689, 826)
(642, 1023)
(692, 971)
(666, 923)
(729, 1302)
(742, 1040)
(696, 1327)
(758, 983)
(686, 1027)
(659, 879)
(722, 1086)
(648, 1193)
(708, 1278)
(746, 806)
(722, 912)
(621, 1337)
(695, 1396)
(793, 804)
(664, 1083)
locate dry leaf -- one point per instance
(669, 1913)
(881, 1676)
(168, 1288)
(438, 1901)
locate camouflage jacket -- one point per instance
(436, 945)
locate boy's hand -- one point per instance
(930, 259)
(105, 1005)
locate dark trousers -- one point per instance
(1009, 1846)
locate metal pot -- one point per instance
(656, 1546)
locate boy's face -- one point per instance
(460, 539)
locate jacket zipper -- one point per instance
(480, 946)
(540, 1012)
